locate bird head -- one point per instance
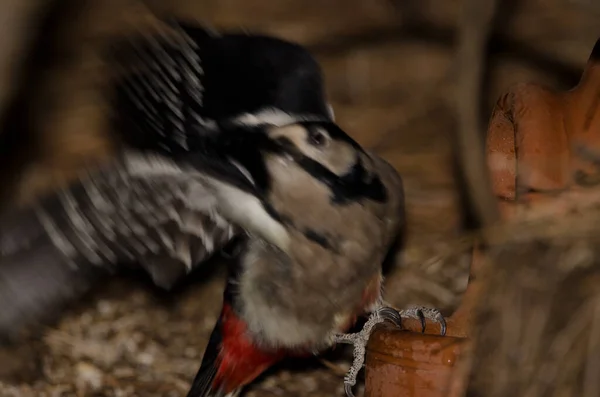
(313, 178)
(286, 150)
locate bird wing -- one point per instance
(174, 86)
(140, 208)
(158, 92)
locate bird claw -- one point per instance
(360, 339)
(422, 313)
(348, 388)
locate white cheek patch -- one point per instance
(294, 132)
(274, 117)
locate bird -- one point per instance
(131, 133)
(318, 213)
(342, 208)
(270, 80)
(183, 81)
(187, 180)
(298, 71)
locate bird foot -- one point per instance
(423, 313)
(360, 339)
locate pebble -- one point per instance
(88, 377)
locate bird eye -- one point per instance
(316, 137)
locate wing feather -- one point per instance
(140, 209)
(176, 86)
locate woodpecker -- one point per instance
(316, 212)
(242, 78)
(182, 82)
(196, 80)
(192, 82)
(341, 207)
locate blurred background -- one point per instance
(390, 75)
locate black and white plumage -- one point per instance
(124, 211)
(167, 215)
(260, 157)
(186, 81)
(192, 85)
(155, 203)
(140, 209)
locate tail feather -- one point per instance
(202, 385)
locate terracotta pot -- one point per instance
(406, 364)
(533, 151)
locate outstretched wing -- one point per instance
(141, 208)
(177, 84)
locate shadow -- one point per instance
(299, 365)
(502, 17)
(398, 244)
(500, 44)
(41, 52)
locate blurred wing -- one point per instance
(140, 209)
(175, 85)
(158, 94)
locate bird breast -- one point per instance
(299, 304)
